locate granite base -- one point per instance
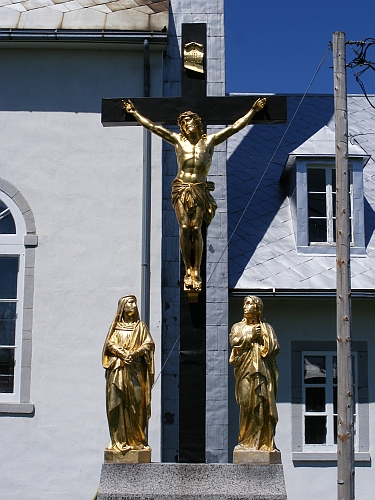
(158, 481)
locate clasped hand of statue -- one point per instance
(256, 335)
(131, 356)
(126, 356)
(128, 359)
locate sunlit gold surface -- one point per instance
(128, 358)
(130, 457)
(244, 456)
(193, 56)
(254, 350)
(191, 192)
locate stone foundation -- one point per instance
(157, 481)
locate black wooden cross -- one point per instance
(213, 111)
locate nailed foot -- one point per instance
(188, 281)
(197, 283)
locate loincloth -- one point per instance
(193, 194)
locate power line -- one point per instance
(255, 190)
(270, 161)
(361, 61)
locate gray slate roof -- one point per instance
(262, 248)
(127, 15)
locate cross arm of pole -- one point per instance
(212, 110)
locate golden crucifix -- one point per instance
(191, 197)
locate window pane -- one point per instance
(6, 370)
(8, 277)
(317, 205)
(7, 323)
(315, 430)
(317, 230)
(7, 225)
(334, 204)
(316, 179)
(333, 182)
(334, 230)
(335, 399)
(315, 369)
(335, 429)
(315, 398)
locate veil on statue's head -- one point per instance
(118, 319)
(121, 306)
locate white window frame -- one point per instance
(330, 445)
(299, 204)
(317, 452)
(330, 171)
(12, 245)
(21, 244)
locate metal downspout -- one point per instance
(146, 197)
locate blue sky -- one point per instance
(275, 46)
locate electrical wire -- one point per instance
(361, 60)
(166, 361)
(253, 194)
(271, 160)
(353, 141)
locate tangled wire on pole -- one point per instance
(360, 60)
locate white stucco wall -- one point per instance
(83, 183)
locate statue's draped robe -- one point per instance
(128, 386)
(193, 194)
(256, 376)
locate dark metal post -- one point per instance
(345, 401)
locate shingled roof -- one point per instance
(127, 15)
(262, 248)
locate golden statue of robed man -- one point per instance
(191, 197)
(254, 350)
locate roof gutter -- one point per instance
(299, 293)
(83, 36)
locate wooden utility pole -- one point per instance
(345, 400)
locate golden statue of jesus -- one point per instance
(191, 197)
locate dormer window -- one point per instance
(311, 182)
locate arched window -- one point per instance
(17, 239)
(7, 224)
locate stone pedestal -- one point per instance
(256, 457)
(130, 457)
(157, 481)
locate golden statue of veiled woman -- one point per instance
(128, 358)
(254, 350)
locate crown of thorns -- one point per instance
(194, 116)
